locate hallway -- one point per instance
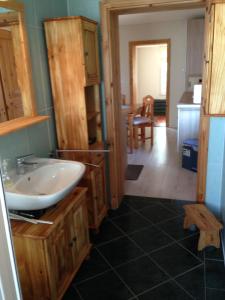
(162, 175)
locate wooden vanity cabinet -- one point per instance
(94, 179)
(74, 68)
(48, 256)
(214, 60)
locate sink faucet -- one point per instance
(22, 161)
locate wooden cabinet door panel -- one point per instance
(98, 190)
(80, 226)
(100, 183)
(207, 63)
(58, 254)
(91, 53)
(9, 80)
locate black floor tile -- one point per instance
(175, 229)
(194, 283)
(131, 222)
(141, 274)
(137, 202)
(92, 267)
(71, 294)
(212, 294)
(214, 253)
(124, 239)
(122, 210)
(120, 251)
(107, 286)
(157, 213)
(167, 291)
(174, 205)
(107, 232)
(191, 243)
(175, 260)
(215, 274)
(151, 238)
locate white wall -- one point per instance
(174, 30)
(149, 59)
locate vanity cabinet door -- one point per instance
(59, 256)
(91, 53)
(98, 192)
(79, 227)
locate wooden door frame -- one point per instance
(133, 71)
(110, 10)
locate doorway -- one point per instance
(150, 74)
(110, 12)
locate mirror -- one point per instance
(17, 101)
(11, 105)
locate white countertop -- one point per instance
(186, 101)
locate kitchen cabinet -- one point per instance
(48, 256)
(195, 47)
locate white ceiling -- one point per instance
(163, 16)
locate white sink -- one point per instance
(45, 185)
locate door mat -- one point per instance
(133, 172)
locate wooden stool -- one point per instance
(209, 226)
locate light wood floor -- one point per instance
(162, 176)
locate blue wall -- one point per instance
(87, 8)
(215, 184)
(39, 139)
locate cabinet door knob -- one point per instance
(71, 244)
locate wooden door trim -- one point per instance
(133, 71)
(110, 10)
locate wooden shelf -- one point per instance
(20, 123)
(92, 114)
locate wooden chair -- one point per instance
(130, 131)
(144, 118)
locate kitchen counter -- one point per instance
(187, 101)
(188, 119)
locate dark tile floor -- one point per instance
(142, 252)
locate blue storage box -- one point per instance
(190, 154)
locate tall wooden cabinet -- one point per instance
(74, 68)
(214, 60)
(48, 256)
